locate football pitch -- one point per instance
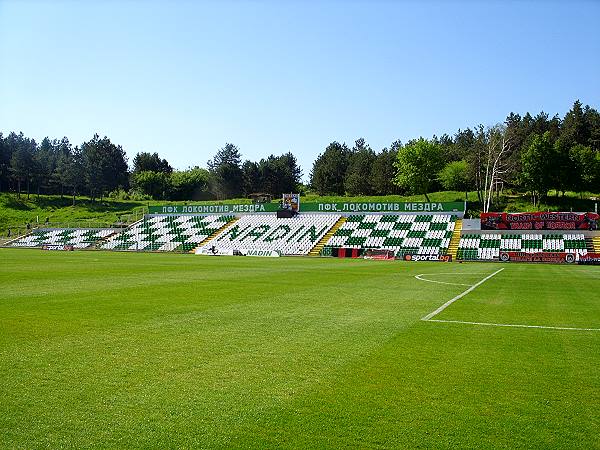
(119, 350)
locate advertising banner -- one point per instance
(539, 221)
(592, 259)
(214, 208)
(546, 257)
(215, 251)
(379, 207)
(379, 254)
(439, 258)
(60, 247)
(294, 201)
(291, 202)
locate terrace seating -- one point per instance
(77, 237)
(400, 233)
(165, 233)
(488, 246)
(288, 236)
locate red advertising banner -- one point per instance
(379, 254)
(539, 221)
(547, 257)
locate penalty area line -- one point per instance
(510, 325)
(459, 296)
(420, 277)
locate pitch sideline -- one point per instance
(510, 325)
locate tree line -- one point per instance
(526, 153)
(529, 153)
(99, 167)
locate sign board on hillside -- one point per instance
(379, 207)
(539, 221)
(215, 208)
(339, 207)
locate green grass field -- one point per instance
(114, 350)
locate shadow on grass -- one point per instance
(13, 202)
(52, 202)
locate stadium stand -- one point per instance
(78, 238)
(288, 236)
(489, 245)
(165, 233)
(400, 233)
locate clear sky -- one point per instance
(183, 78)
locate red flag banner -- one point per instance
(540, 221)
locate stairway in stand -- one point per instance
(316, 250)
(595, 244)
(201, 244)
(455, 240)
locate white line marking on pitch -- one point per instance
(512, 325)
(459, 296)
(429, 317)
(418, 277)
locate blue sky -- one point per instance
(183, 78)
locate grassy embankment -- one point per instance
(16, 213)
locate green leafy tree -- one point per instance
(154, 184)
(44, 163)
(105, 166)
(596, 181)
(70, 172)
(144, 162)
(191, 184)
(21, 161)
(226, 172)
(63, 152)
(358, 179)
(418, 164)
(537, 164)
(279, 174)
(5, 155)
(456, 176)
(290, 173)
(250, 178)
(592, 118)
(329, 170)
(383, 171)
(585, 167)
(574, 128)
(61, 171)
(564, 172)
(464, 141)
